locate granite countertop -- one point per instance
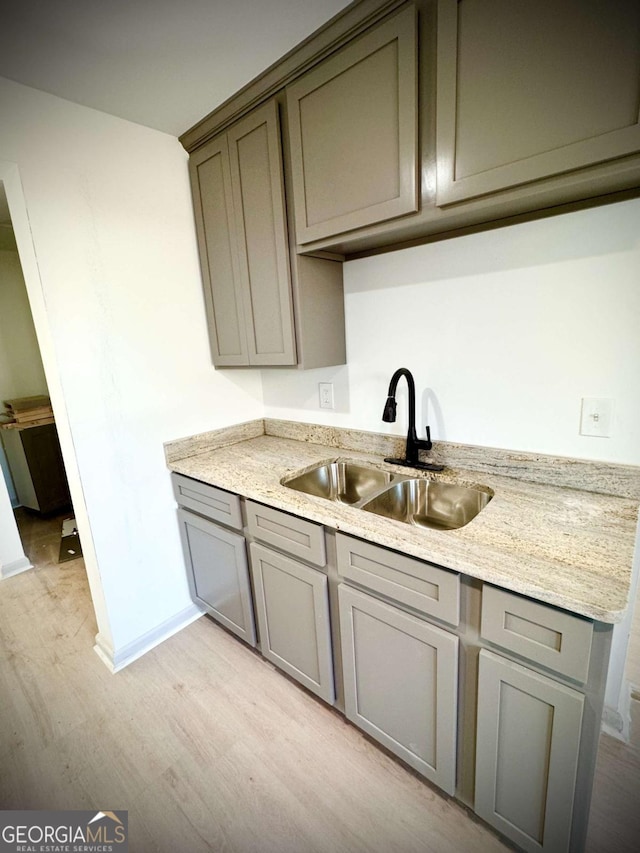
(564, 546)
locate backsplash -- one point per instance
(600, 477)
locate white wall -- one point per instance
(12, 557)
(120, 320)
(505, 332)
(21, 371)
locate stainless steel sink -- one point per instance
(346, 482)
(427, 503)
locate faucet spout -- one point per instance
(414, 444)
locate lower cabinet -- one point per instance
(218, 573)
(401, 682)
(368, 606)
(292, 608)
(528, 741)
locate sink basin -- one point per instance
(341, 481)
(443, 506)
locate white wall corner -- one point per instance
(117, 659)
(8, 570)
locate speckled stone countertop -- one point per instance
(564, 546)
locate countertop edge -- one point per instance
(337, 517)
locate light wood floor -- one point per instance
(210, 749)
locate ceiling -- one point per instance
(161, 63)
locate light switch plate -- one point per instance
(596, 417)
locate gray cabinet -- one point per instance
(554, 639)
(216, 504)
(238, 191)
(533, 89)
(411, 120)
(218, 573)
(421, 586)
(354, 621)
(289, 533)
(528, 742)
(352, 121)
(400, 682)
(292, 607)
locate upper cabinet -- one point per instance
(407, 120)
(238, 190)
(250, 284)
(533, 89)
(353, 124)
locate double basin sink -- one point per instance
(412, 500)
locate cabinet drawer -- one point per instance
(289, 533)
(422, 586)
(553, 638)
(213, 503)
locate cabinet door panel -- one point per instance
(353, 125)
(528, 740)
(258, 188)
(218, 573)
(533, 89)
(292, 606)
(400, 677)
(213, 206)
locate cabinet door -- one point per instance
(400, 681)
(292, 606)
(210, 175)
(218, 574)
(353, 128)
(528, 739)
(533, 89)
(44, 458)
(255, 155)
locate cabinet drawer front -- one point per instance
(423, 586)
(292, 607)
(213, 503)
(294, 535)
(400, 680)
(553, 638)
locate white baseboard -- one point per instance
(117, 659)
(15, 567)
(616, 722)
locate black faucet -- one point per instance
(414, 444)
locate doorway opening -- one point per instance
(30, 457)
